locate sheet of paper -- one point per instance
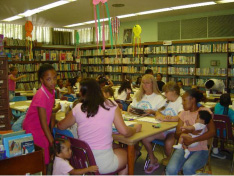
(22, 107)
(149, 119)
(11, 103)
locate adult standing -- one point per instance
(168, 112)
(94, 117)
(199, 154)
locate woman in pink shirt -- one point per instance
(199, 154)
(39, 114)
(12, 81)
(94, 117)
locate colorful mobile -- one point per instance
(115, 24)
(97, 16)
(29, 29)
(77, 49)
(137, 39)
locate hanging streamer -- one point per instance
(29, 29)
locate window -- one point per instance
(11, 30)
(41, 34)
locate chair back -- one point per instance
(70, 98)
(223, 127)
(19, 98)
(82, 155)
(58, 133)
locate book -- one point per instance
(13, 145)
(10, 134)
(27, 147)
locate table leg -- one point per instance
(131, 159)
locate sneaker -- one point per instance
(218, 155)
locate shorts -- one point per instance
(106, 160)
(165, 133)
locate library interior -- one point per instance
(125, 87)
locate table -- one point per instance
(27, 93)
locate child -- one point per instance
(39, 114)
(12, 81)
(123, 93)
(180, 84)
(108, 92)
(60, 88)
(137, 84)
(222, 108)
(203, 118)
(70, 83)
(61, 165)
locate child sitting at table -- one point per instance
(60, 88)
(222, 108)
(123, 93)
(203, 118)
(70, 90)
(63, 153)
(108, 92)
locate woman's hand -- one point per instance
(188, 140)
(160, 117)
(149, 111)
(137, 127)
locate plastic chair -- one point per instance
(69, 97)
(155, 142)
(58, 133)
(16, 114)
(82, 156)
(224, 132)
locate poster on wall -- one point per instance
(127, 37)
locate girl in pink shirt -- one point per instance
(198, 154)
(12, 81)
(39, 114)
(94, 117)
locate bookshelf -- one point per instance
(62, 60)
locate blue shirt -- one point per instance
(219, 110)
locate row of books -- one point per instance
(68, 67)
(16, 143)
(231, 84)
(181, 60)
(27, 86)
(211, 71)
(14, 42)
(181, 70)
(54, 55)
(111, 60)
(155, 50)
(66, 75)
(113, 68)
(183, 48)
(231, 59)
(30, 77)
(134, 60)
(155, 60)
(186, 81)
(96, 68)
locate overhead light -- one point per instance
(127, 15)
(39, 9)
(224, 1)
(154, 11)
(193, 5)
(74, 25)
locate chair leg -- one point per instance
(147, 160)
(232, 163)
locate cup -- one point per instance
(208, 93)
(63, 105)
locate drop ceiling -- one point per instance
(82, 10)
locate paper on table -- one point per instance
(128, 123)
(148, 119)
(11, 103)
(22, 107)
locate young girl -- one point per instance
(12, 81)
(60, 88)
(203, 118)
(39, 114)
(61, 165)
(70, 83)
(123, 93)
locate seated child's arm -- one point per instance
(68, 121)
(188, 128)
(83, 171)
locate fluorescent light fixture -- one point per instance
(127, 15)
(13, 18)
(39, 9)
(154, 11)
(224, 1)
(193, 5)
(73, 25)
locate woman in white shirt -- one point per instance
(148, 97)
(169, 112)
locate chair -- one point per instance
(82, 156)
(58, 133)
(16, 114)
(69, 97)
(224, 132)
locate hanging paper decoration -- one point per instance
(29, 29)
(77, 49)
(98, 24)
(115, 24)
(137, 39)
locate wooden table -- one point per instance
(27, 93)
